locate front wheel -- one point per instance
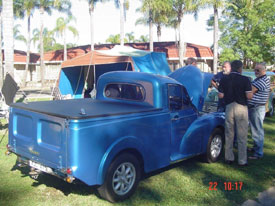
(214, 146)
(121, 179)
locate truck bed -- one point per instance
(83, 108)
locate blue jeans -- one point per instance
(256, 120)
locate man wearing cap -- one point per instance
(256, 106)
(236, 90)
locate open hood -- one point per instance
(195, 82)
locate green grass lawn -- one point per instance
(184, 183)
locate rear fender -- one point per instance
(123, 143)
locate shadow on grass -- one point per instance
(256, 174)
(79, 188)
(51, 181)
(3, 126)
(269, 120)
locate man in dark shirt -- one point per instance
(236, 90)
(226, 67)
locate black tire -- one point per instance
(214, 146)
(121, 178)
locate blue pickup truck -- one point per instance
(138, 123)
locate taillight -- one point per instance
(8, 150)
(69, 171)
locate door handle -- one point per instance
(175, 118)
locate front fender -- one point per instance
(123, 143)
(202, 128)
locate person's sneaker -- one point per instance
(254, 157)
(229, 162)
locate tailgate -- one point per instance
(38, 137)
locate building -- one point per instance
(53, 59)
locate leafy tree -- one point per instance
(48, 39)
(249, 31)
(62, 25)
(143, 38)
(130, 37)
(115, 39)
(58, 46)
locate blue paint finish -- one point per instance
(29, 137)
(57, 135)
(195, 81)
(72, 81)
(154, 63)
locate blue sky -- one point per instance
(107, 23)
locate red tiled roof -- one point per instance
(21, 56)
(170, 48)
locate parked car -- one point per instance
(138, 123)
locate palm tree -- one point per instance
(8, 36)
(160, 11)
(181, 7)
(143, 38)
(22, 9)
(48, 6)
(48, 39)
(115, 39)
(216, 5)
(17, 36)
(173, 23)
(92, 4)
(130, 37)
(155, 12)
(123, 5)
(62, 25)
(147, 9)
(1, 56)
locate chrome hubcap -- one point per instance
(124, 178)
(216, 146)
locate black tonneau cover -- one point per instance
(83, 108)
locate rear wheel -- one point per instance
(121, 179)
(215, 146)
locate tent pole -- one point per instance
(93, 92)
